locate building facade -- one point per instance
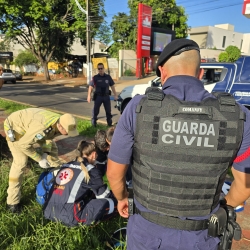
(215, 39)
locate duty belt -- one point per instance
(174, 222)
(100, 94)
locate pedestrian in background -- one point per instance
(178, 167)
(101, 83)
(23, 129)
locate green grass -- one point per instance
(10, 107)
(30, 230)
(84, 127)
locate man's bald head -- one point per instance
(186, 63)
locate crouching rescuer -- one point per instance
(183, 139)
(24, 129)
(78, 194)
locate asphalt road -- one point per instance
(55, 97)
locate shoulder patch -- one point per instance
(39, 136)
(64, 176)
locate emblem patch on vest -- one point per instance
(106, 81)
(64, 176)
(189, 133)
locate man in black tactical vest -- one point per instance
(183, 140)
(101, 82)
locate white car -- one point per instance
(129, 92)
(8, 76)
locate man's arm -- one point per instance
(114, 92)
(240, 188)
(89, 94)
(116, 176)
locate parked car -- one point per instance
(232, 78)
(129, 92)
(8, 76)
(18, 75)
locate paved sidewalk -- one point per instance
(67, 145)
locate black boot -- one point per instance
(14, 208)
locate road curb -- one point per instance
(88, 118)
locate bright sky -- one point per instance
(200, 12)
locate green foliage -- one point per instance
(129, 72)
(223, 57)
(233, 53)
(25, 58)
(166, 14)
(4, 45)
(47, 28)
(104, 33)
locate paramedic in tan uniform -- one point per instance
(31, 126)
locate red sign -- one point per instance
(144, 30)
(144, 35)
(246, 8)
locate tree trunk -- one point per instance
(46, 72)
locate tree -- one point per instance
(231, 54)
(166, 14)
(104, 33)
(124, 33)
(4, 45)
(46, 28)
(223, 57)
(25, 58)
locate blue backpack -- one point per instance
(44, 185)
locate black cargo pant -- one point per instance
(105, 100)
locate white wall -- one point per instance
(215, 38)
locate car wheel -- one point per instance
(124, 104)
(14, 82)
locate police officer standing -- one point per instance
(183, 140)
(23, 129)
(101, 82)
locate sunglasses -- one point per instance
(100, 68)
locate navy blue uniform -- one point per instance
(101, 85)
(72, 201)
(141, 233)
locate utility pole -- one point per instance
(88, 43)
(88, 37)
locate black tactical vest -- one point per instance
(182, 152)
(102, 84)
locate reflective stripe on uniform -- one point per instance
(104, 194)
(50, 117)
(76, 187)
(111, 205)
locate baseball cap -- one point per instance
(174, 48)
(69, 124)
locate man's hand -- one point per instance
(115, 97)
(122, 208)
(89, 99)
(44, 162)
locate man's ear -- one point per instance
(200, 74)
(163, 74)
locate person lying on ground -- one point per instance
(78, 194)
